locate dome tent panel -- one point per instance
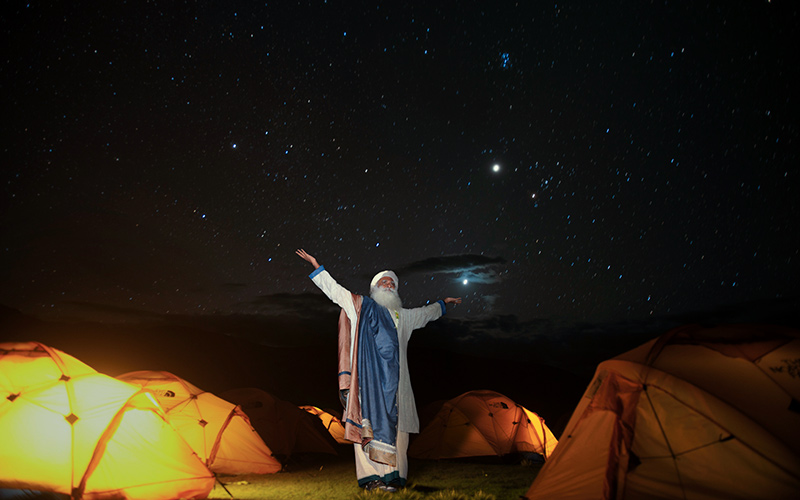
(69, 430)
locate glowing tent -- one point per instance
(219, 431)
(482, 423)
(330, 421)
(67, 429)
(695, 414)
(284, 427)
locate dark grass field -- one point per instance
(331, 477)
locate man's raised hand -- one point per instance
(306, 257)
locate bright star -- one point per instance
(465, 281)
(496, 167)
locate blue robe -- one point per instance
(378, 379)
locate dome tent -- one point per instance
(482, 423)
(283, 426)
(699, 413)
(67, 429)
(219, 431)
(331, 422)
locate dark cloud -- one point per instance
(578, 346)
(309, 319)
(300, 305)
(475, 268)
(74, 310)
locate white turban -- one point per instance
(384, 274)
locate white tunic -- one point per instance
(408, 321)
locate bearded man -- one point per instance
(374, 382)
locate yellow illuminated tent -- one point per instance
(284, 427)
(219, 431)
(67, 429)
(482, 423)
(330, 421)
(699, 413)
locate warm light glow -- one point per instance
(210, 425)
(333, 424)
(72, 429)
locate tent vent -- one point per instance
(12, 397)
(71, 418)
(726, 438)
(64, 378)
(794, 406)
(202, 422)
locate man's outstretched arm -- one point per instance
(418, 317)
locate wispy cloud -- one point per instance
(475, 268)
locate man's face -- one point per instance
(386, 282)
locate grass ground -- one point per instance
(333, 478)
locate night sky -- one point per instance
(547, 161)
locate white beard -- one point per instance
(386, 297)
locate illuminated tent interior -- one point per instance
(218, 431)
(331, 422)
(67, 429)
(482, 423)
(284, 427)
(700, 413)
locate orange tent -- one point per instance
(699, 413)
(482, 423)
(331, 422)
(219, 431)
(67, 429)
(284, 427)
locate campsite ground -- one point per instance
(333, 478)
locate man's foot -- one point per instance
(380, 486)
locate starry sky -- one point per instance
(546, 161)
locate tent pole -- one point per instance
(223, 486)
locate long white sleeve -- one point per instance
(336, 292)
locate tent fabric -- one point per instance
(482, 423)
(283, 426)
(699, 413)
(67, 429)
(331, 422)
(218, 431)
